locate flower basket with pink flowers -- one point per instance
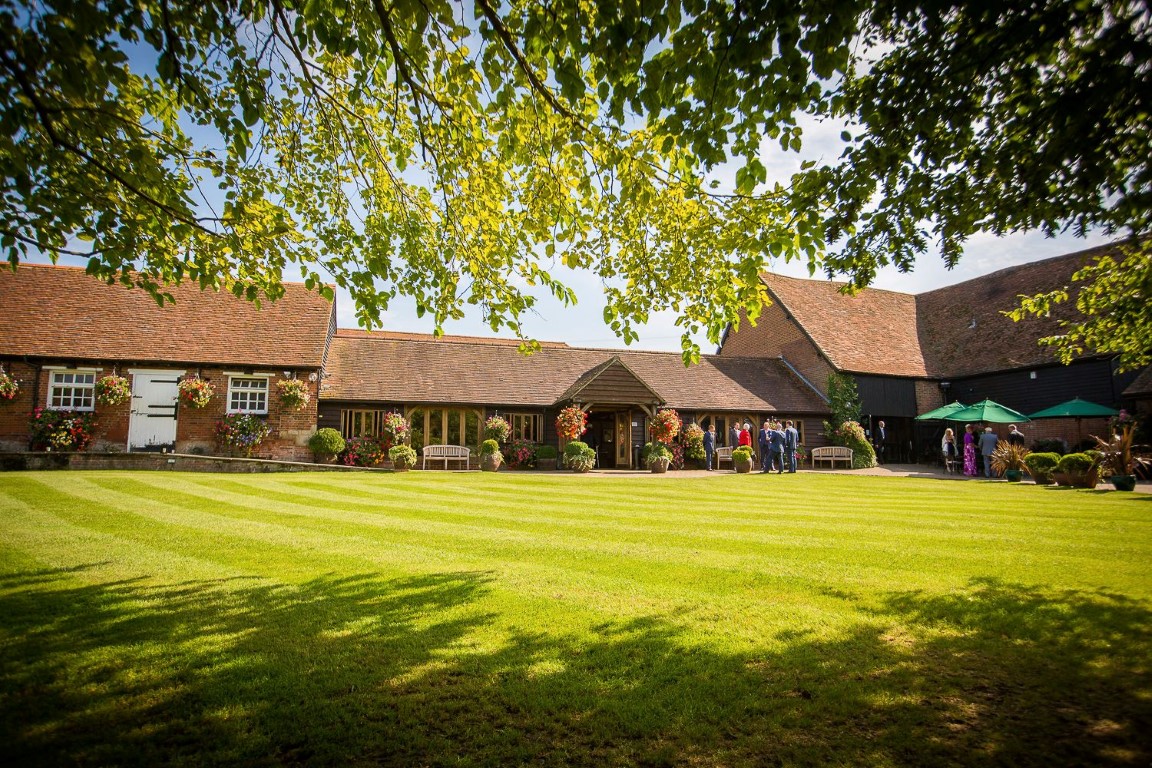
(195, 392)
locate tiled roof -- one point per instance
(61, 312)
(949, 332)
(378, 367)
(1142, 386)
(871, 332)
(962, 330)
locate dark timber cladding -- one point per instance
(888, 396)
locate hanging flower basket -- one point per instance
(666, 425)
(113, 390)
(395, 430)
(497, 428)
(571, 423)
(195, 393)
(9, 388)
(293, 393)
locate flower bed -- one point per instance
(364, 451)
(241, 433)
(521, 454)
(61, 430)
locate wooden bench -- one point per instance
(723, 453)
(446, 453)
(832, 454)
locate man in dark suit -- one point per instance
(791, 443)
(878, 441)
(765, 442)
(734, 436)
(1015, 437)
(776, 441)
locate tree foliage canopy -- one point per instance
(460, 153)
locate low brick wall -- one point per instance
(183, 462)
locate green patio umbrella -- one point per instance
(988, 412)
(936, 414)
(1075, 409)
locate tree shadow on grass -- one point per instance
(364, 670)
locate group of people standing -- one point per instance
(977, 443)
(778, 444)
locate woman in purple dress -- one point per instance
(969, 451)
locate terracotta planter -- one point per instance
(1041, 478)
(324, 458)
(546, 464)
(1123, 482)
(1077, 479)
(400, 467)
(742, 467)
(489, 463)
(658, 466)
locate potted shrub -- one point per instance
(403, 457)
(1079, 470)
(545, 457)
(326, 444)
(742, 460)
(1041, 465)
(490, 456)
(1117, 462)
(497, 428)
(579, 457)
(657, 457)
(112, 390)
(241, 433)
(195, 392)
(1008, 460)
(9, 388)
(294, 394)
(364, 451)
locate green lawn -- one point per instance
(476, 619)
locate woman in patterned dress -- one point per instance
(969, 451)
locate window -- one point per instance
(357, 423)
(247, 394)
(72, 391)
(437, 426)
(527, 426)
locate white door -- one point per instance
(154, 400)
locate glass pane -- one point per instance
(416, 419)
(435, 426)
(454, 435)
(472, 429)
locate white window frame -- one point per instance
(243, 383)
(85, 391)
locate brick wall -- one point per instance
(195, 428)
(776, 334)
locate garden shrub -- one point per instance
(326, 441)
(1075, 462)
(545, 452)
(1050, 445)
(522, 454)
(61, 430)
(851, 435)
(1041, 463)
